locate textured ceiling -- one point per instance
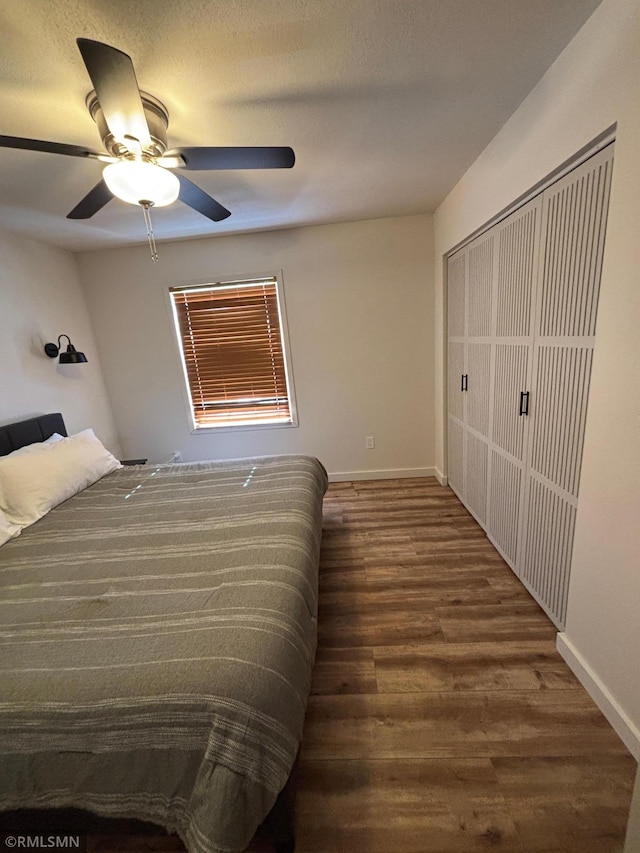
(385, 102)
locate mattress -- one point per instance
(158, 633)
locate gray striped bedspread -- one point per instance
(158, 633)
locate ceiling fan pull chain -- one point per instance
(146, 212)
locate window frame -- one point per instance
(227, 281)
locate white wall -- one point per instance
(594, 83)
(359, 300)
(41, 298)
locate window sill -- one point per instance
(208, 430)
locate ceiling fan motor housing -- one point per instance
(157, 117)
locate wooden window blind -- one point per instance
(233, 352)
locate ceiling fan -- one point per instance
(133, 127)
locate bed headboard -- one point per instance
(17, 435)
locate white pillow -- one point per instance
(33, 483)
(53, 438)
(7, 529)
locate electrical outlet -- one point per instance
(370, 442)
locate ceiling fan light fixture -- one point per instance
(136, 181)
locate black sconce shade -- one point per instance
(71, 356)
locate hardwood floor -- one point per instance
(442, 719)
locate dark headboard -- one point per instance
(15, 436)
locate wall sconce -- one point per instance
(71, 356)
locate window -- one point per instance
(231, 335)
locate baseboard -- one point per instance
(441, 478)
(385, 474)
(629, 733)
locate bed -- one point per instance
(158, 633)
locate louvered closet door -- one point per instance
(480, 290)
(517, 242)
(456, 365)
(573, 231)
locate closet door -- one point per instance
(522, 312)
(572, 240)
(456, 367)
(480, 320)
(517, 241)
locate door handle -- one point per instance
(464, 382)
(524, 403)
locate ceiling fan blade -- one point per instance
(48, 147)
(199, 200)
(92, 202)
(114, 79)
(234, 158)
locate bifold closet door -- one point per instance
(574, 219)
(456, 365)
(469, 356)
(517, 242)
(480, 275)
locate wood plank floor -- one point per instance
(442, 719)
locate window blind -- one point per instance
(231, 340)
